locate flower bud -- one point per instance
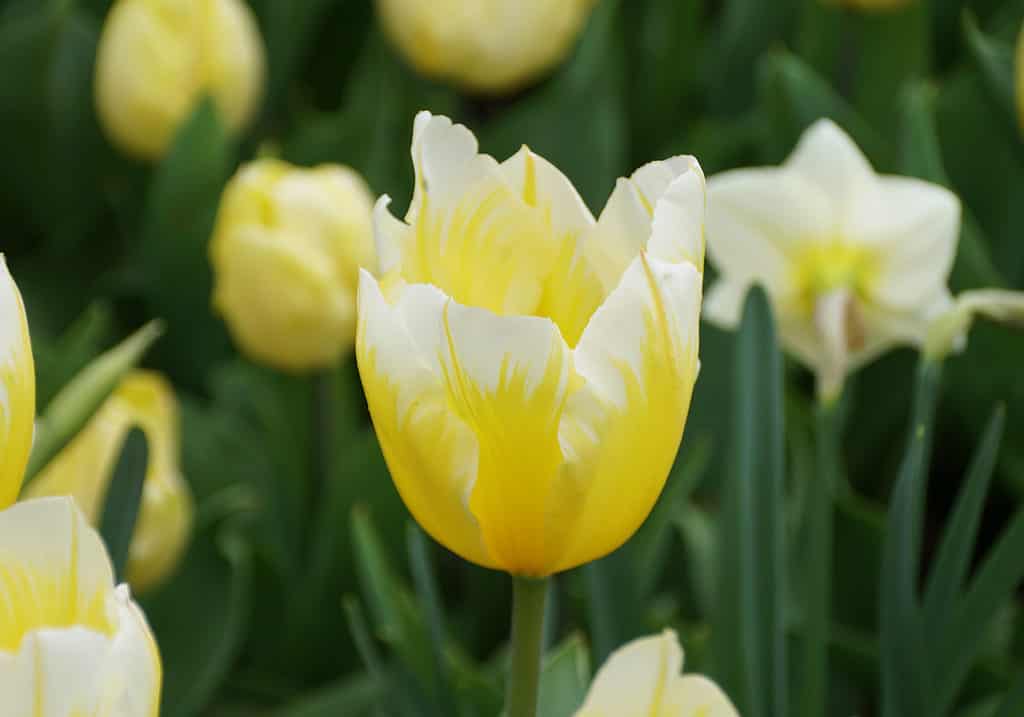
(156, 58)
(485, 45)
(85, 467)
(286, 253)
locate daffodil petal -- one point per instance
(638, 357)
(17, 389)
(430, 450)
(828, 159)
(723, 305)
(634, 678)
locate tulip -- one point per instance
(71, 643)
(156, 58)
(286, 252)
(643, 678)
(853, 262)
(490, 46)
(17, 389)
(85, 467)
(529, 370)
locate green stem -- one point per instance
(323, 442)
(528, 598)
(818, 589)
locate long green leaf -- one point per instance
(903, 652)
(564, 678)
(995, 64)
(749, 630)
(123, 498)
(953, 559)
(1013, 703)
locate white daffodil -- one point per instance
(17, 389)
(71, 643)
(529, 370)
(854, 262)
(643, 678)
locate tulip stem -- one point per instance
(323, 443)
(528, 600)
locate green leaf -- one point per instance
(355, 695)
(951, 562)
(1013, 703)
(58, 360)
(904, 654)
(749, 629)
(173, 260)
(200, 620)
(995, 64)
(123, 499)
(564, 678)
(71, 409)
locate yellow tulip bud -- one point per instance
(529, 369)
(484, 45)
(286, 254)
(71, 643)
(17, 389)
(156, 58)
(85, 467)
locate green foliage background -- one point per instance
(299, 601)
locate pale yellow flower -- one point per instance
(286, 253)
(484, 45)
(71, 643)
(643, 679)
(854, 262)
(17, 389)
(156, 58)
(85, 467)
(529, 370)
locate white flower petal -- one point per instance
(390, 236)
(697, 696)
(541, 184)
(677, 232)
(634, 677)
(723, 305)
(827, 158)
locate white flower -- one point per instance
(854, 262)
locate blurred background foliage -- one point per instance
(302, 600)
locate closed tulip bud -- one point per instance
(643, 678)
(85, 467)
(853, 262)
(286, 254)
(17, 389)
(484, 45)
(529, 370)
(71, 643)
(156, 58)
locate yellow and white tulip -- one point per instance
(484, 45)
(286, 253)
(17, 389)
(71, 642)
(644, 678)
(854, 262)
(529, 370)
(156, 58)
(85, 467)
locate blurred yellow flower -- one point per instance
(489, 46)
(854, 262)
(85, 467)
(71, 643)
(643, 678)
(286, 253)
(17, 389)
(529, 370)
(156, 58)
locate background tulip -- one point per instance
(85, 467)
(286, 252)
(71, 643)
(523, 363)
(484, 45)
(156, 58)
(17, 388)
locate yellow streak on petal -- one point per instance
(17, 390)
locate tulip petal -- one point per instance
(430, 451)
(697, 696)
(638, 356)
(914, 226)
(543, 185)
(827, 158)
(634, 678)
(17, 389)
(54, 570)
(677, 231)
(390, 235)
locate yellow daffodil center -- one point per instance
(824, 267)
